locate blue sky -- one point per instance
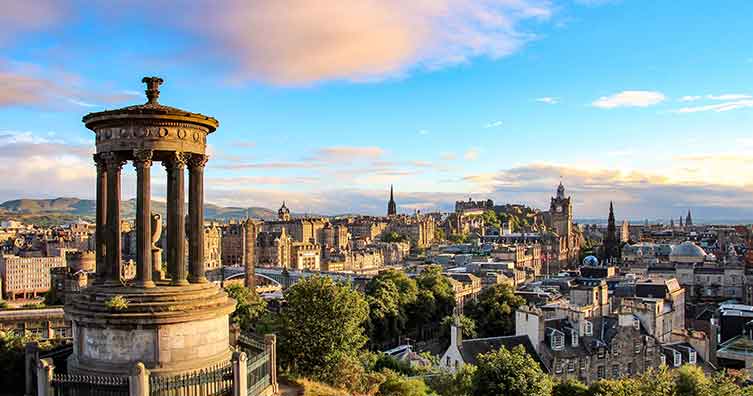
(327, 103)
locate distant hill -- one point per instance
(64, 209)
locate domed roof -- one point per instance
(687, 249)
(590, 261)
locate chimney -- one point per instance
(456, 334)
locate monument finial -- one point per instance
(152, 88)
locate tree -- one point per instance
(510, 373)
(393, 236)
(621, 387)
(490, 218)
(322, 323)
(466, 324)
(396, 385)
(657, 382)
(458, 384)
(249, 306)
(435, 299)
(458, 238)
(691, 381)
(389, 295)
(494, 310)
(570, 388)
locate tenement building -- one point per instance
(27, 277)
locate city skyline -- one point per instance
(490, 99)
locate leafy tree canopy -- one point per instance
(249, 306)
(321, 325)
(494, 310)
(510, 373)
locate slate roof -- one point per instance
(470, 349)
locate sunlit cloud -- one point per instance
(471, 154)
(629, 99)
(548, 100)
(493, 124)
(718, 107)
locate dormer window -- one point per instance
(678, 359)
(558, 340)
(663, 359)
(692, 357)
(589, 328)
(574, 336)
(636, 324)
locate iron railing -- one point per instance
(88, 385)
(215, 381)
(258, 374)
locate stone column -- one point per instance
(45, 370)
(142, 161)
(240, 374)
(138, 381)
(101, 217)
(196, 218)
(112, 247)
(270, 340)
(175, 165)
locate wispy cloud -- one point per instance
(493, 124)
(690, 98)
(548, 100)
(718, 107)
(728, 97)
(629, 99)
(30, 85)
(347, 153)
(471, 154)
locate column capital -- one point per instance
(142, 157)
(112, 160)
(99, 161)
(197, 161)
(176, 160)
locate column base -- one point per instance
(144, 284)
(201, 279)
(180, 282)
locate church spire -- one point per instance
(611, 246)
(688, 220)
(391, 205)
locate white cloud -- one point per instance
(629, 99)
(719, 107)
(728, 97)
(548, 100)
(493, 124)
(691, 98)
(423, 132)
(471, 154)
(448, 156)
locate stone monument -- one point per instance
(172, 325)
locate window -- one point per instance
(448, 362)
(602, 352)
(558, 340)
(692, 357)
(636, 324)
(678, 359)
(637, 347)
(558, 368)
(574, 335)
(600, 372)
(571, 367)
(663, 359)
(589, 328)
(615, 371)
(630, 368)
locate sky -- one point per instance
(326, 103)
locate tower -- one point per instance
(119, 323)
(561, 212)
(250, 231)
(391, 205)
(680, 221)
(283, 213)
(611, 244)
(688, 220)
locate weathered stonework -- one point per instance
(172, 324)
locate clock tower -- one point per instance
(561, 212)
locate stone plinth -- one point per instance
(170, 329)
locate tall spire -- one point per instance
(688, 220)
(391, 205)
(610, 241)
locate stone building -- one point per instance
(234, 243)
(419, 229)
(607, 347)
(273, 249)
(46, 323)
(212, 247)
(27, 277)
(305, 256)
(561, 243)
